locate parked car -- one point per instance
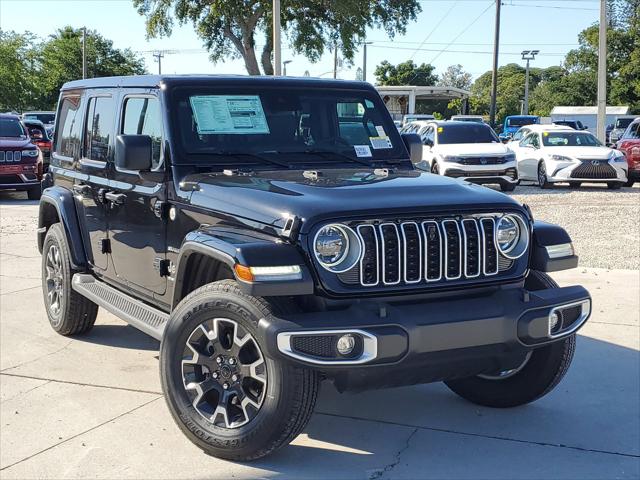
(412, 117)
(575, 124)
(513, 122)
(468, 118)
(20, 159)
(40, 137)
(269, 248)
(619, 128)
(467, 150)
(629, 144)
(47, 118)
(563, 155)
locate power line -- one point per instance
(557, 7)
(550, 54)
(434, 28)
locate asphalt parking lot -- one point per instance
(91, 406)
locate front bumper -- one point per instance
(504, 173)
(426, 340)
(559, 172)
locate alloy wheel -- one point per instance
(54, 280)
(224, 373)
(542, 175)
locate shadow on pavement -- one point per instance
(120, 336)
(15, 198)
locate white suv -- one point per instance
(468, 150)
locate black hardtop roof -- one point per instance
(154, 81)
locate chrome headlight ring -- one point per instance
(351, 249)
(518, 247)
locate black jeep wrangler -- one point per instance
(273, 233)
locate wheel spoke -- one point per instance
(250, 371)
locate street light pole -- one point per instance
(364, 61)
(494, 75)
(84, 52)
(277, 57)
(527, 55)
(602, 73)
(284, 67)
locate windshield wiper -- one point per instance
(254, 155)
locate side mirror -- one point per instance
(505, 139)
(414, 146)
(133, 152)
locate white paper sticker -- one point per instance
(362, 150)
(380, 130)
(229, 114)
(379, 143)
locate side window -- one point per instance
(535, 140)
(142, 117)
(353, 124)
(98, 132)
(68, 131)
(634, 131)
(526, 140)
(518, 135)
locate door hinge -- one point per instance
(106, 245)
(161, 209)
(162, 266)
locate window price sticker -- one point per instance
(362, 150)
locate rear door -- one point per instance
(137, 220)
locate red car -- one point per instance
(629, 144)
(20, 159)
(38, 133)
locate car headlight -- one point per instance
(617, 157)
(512, 236)
(30, 153)
(336, 247)
(452, 158)
(510, 157)
(561, 158)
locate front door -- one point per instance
(137, 219)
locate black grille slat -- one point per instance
(453, 249)
(602, 170)
(433, 250)
(369, 263)
(490, 266)
(472, 247)
(391, 256)
(412, 252)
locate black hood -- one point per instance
(270, 197)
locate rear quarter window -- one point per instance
(68, 131)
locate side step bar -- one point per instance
(138, 314)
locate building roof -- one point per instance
(589, 110)
(423, 91)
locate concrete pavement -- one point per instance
(91, 406)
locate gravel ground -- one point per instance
(604, 224)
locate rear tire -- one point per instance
(34, 193)
(285, 394)
(69, 312)
(537, 376)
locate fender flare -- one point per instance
(62, 201)
(547, 234)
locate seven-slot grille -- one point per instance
(415, 252)
(9, 156)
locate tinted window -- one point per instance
(633, 131)
(37, 132)
(69, 127)
(527, 140)
(99, 125)
(468, 132)
(43, 117)
(519, 134)
(520, 121)
(623, 122)
(11, 128)
(142, 117)
(569, 139)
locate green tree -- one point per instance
(405, 73)
(18, 70)
(455, 76)
(229, 27)
(61, 61)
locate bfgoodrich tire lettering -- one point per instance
(290, 391)
(540, 374)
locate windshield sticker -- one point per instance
(229, 114)
(379, 143)
(440, 129)
(546, 134)
(362, 150)
(380, 130)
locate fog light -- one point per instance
(554, 321)
(346, 344)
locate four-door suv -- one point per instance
(20, 159)
(273, 233)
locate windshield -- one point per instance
(623, 122)
(284, 127)
(43, 117)
(569, 139)
(521, 121)
(466, 133)
(11, 128)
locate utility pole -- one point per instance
(602, 73)
(84, 52)
(277, 57)
(159, 55)
(527, 55)
(494, 75)
(364, 61)
(335, 60)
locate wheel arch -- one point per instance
(57, 205)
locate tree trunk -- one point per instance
(250, 60)
(265, 58)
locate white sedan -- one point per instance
(556, 155)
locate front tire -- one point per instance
(434, 168)
(614, 185)
(539, 373)
(225, 393)
(34, 193)
(69, 312)
(507, 187)
(543, 181)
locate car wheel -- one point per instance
(227, 395)
(434, 168)
(69, 312)
(575, 184)
(629, 183)
(34, 193)
(507, 187)
(614, 185)
(539, 372)
(543, 182)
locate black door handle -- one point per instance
(82, 189)
(116, 198)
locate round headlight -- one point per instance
(511, 236)
(336, 247)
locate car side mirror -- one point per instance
(414, 146)
(505, 139)
(133, 152)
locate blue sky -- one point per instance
(446, 32)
